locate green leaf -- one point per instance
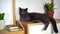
(48, 7)
(1, 16)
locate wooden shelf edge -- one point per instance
(57, 20)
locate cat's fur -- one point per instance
(37, 17)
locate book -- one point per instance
(11, 27)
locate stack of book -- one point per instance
(12, 28)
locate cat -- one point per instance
(37, 17)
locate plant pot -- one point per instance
(2, 24)
(51, 14)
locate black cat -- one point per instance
(37, 17)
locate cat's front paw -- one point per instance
(43, 29)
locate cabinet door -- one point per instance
(37, 29)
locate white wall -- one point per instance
(57, 11)
(32, 5)
(6, 7)
(0, 6)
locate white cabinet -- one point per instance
(37, 29)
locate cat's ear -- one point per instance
(19, 8)
(26, 9)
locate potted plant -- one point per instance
(2, 21)
(49, 7)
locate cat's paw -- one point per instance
(43, 29)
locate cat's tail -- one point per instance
(54, 25)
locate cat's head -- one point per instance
(23, 11)
(23, 14)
